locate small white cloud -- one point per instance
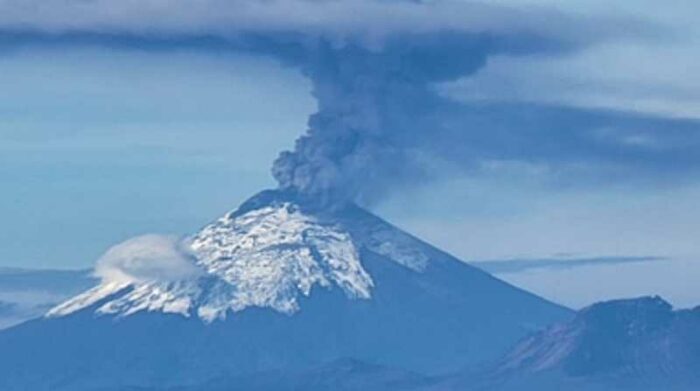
(146, 258)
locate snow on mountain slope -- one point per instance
(271, 255)
(263, 256)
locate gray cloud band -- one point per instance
(522, 265)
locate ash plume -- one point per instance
(379, 123)
(375, 67)
(359, 142)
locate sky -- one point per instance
(101, 142)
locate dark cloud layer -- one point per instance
(569, 146)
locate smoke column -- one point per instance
(371, 104)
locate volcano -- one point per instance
(282, 285)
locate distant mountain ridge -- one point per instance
(27, 293)
(633, 344)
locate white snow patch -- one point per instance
(271, 255)
(87, 299)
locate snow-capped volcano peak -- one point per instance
(271, 251)
(269, 256)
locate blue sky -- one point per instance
(101, 142)
(98, 146)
